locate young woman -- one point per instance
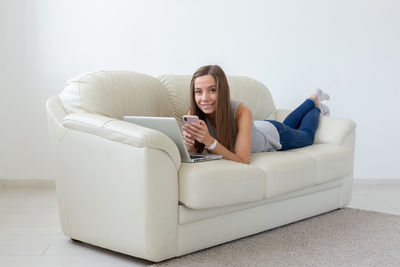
(226, 127)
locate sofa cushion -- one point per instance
(116, 94)
(332, 161)
(219, 183)
(285, 171)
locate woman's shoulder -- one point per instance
(243, 112)
(235, 104)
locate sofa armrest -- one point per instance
(117, 185)
(331, 130)
(123, 132)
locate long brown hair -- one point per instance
(223, 113)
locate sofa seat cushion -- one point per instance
(285, 171)
(333, 161)
(219, 183)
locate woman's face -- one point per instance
(205, 92)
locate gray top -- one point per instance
(264, 135)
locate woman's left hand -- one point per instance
(199, 131)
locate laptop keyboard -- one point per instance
(196, 156)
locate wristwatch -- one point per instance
(213, 145)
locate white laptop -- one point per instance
(169, 126)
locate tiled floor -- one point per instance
(30, 233)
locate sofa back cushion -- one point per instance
(250, 92)
(116, 94)
(119, 93)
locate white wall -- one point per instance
(348, 47)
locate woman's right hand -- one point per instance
(188, 139)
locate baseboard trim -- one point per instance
(27, 183)
(376, 181)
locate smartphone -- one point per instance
(190, 119)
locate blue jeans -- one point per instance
(299, 127)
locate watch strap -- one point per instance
(213, 145)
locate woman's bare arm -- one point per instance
(244, 121)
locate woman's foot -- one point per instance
(316, 101)
(324, 110)
(321, 95)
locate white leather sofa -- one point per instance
(123, 187)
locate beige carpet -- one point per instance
(347, 237)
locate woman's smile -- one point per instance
(207, 106)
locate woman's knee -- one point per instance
(311, 141)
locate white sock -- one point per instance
(324, 110)
(321, 95)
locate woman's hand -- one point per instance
(188, 139)
(199, 132)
